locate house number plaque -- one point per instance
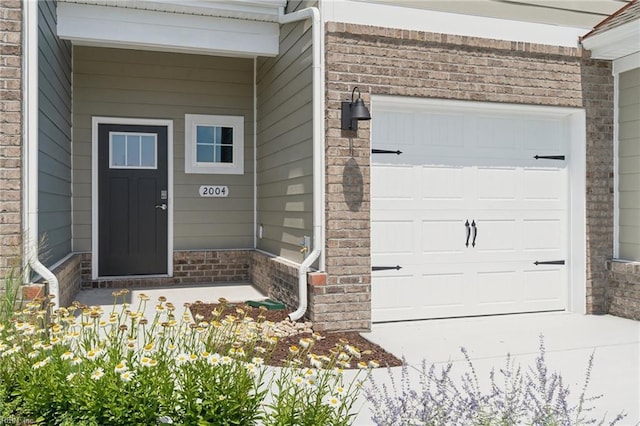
(214, 191)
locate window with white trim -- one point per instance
(214, 144)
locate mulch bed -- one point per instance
(370, 351)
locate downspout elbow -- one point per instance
(302, 285)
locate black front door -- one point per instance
(132, 200)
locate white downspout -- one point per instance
(30, 157)
(318, 148)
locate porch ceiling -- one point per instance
(193, 27)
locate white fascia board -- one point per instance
(128, 28)
(390, 16)
(243, 9)
(615, 43)
(626, 63)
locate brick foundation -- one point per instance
(419, 64)
(623, 293)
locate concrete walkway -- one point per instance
(570, 339)
(207, 293)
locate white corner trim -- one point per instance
(616, 42)
(108, 26)
(390, 16)
(95, 121)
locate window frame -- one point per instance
(192, 166)
(132, 167)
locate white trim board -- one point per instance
(106, 26)
(95, 121)
(576, 162)
(391, 16)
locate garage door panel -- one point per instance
(393, 237)
(497, 183)
(544, 184)
(544, 286)
(543, 234)
(442, 183)
(386, 178)
(442, 237)
(468, 166)
(498, 287)
(496, 235)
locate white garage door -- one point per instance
(465, 221)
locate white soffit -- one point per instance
(124, 27)
(391, 16)
(615, 43)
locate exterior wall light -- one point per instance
(352, 112)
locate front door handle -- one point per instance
(466, 225)
(162, 206)
(475, 233)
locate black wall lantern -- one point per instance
(352, 112)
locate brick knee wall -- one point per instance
(189, 266)
(623, 293)
(419, 64)
(69, 275)
(276, 278)
(10, 136)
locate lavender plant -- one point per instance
(534, 396)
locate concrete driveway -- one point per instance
(570, 339)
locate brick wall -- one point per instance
(10, 135)
(411, 63)
(194, 266)
(276, 278)
(623, 292)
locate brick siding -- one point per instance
(623, 292)
(10, 136)
(276, 278)
(412, 63)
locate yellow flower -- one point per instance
(293, 349)
(143, 297)
(305, 342)
(374, 364)
(182, 358)
(66, 356)
(362, 365)
(257, 360)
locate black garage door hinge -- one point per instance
(385, 151)
(549, 157)
(385, 268)
(549, 262)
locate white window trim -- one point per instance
(191, 121)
